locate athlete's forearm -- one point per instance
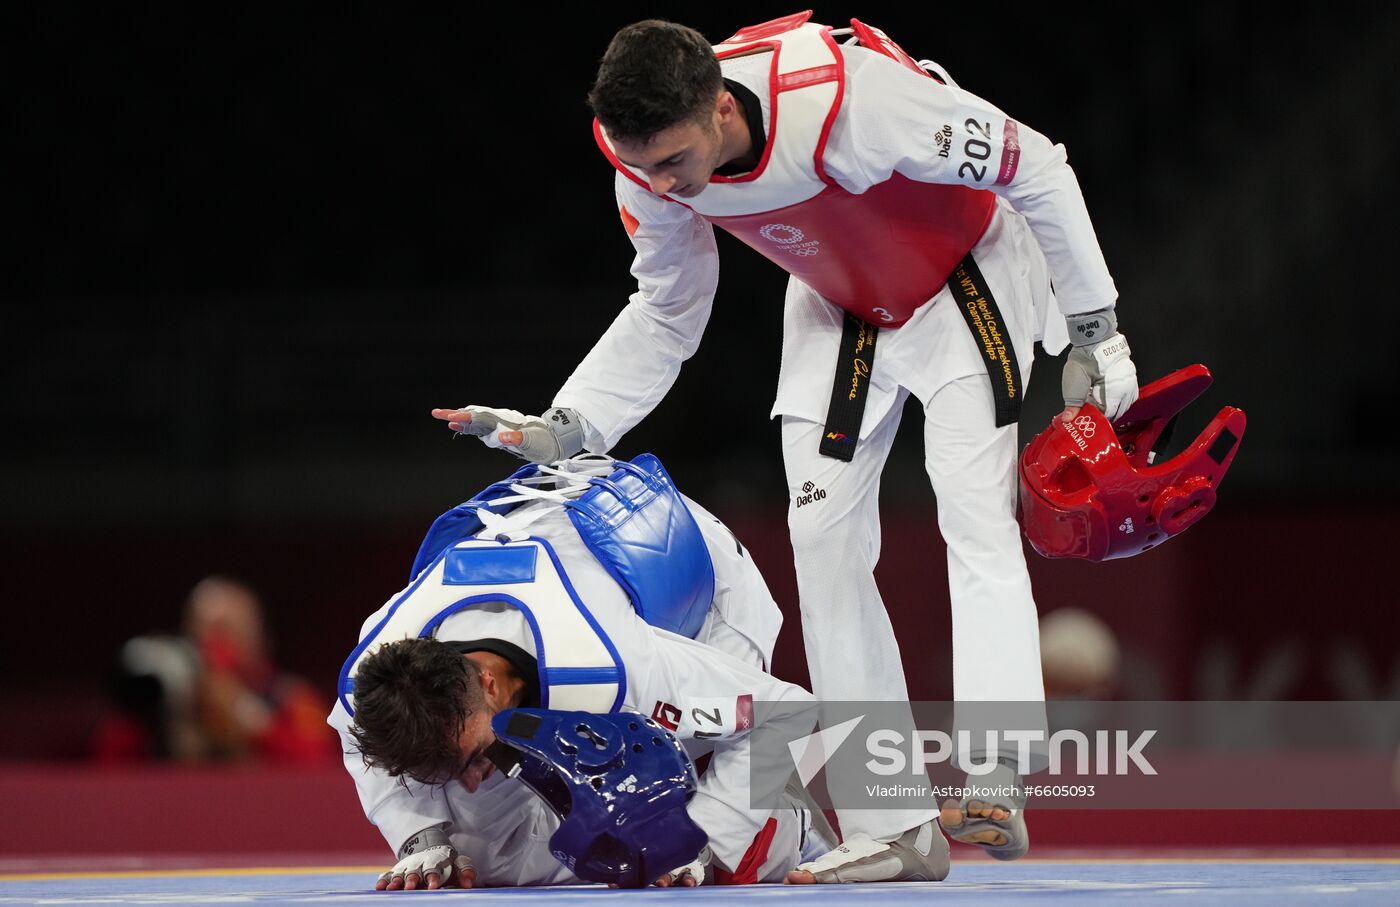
(389, 805)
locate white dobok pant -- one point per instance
(852, 652)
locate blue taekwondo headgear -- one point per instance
(619, 784)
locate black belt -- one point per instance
(857, 357)
(848, 389)
(979, 310)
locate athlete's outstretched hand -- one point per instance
(690, 875)
(429, 861)
(541, 439)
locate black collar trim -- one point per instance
(525, 666)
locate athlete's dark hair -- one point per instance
(412, 699)
(654, 75)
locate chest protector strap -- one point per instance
(462, 521)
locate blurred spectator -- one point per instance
(212, 694)
(1079, 655)
(153, 690)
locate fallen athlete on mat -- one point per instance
(539, 594)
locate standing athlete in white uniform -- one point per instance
(914, 218)
(488, 829)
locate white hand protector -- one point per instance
(694, 869)
(429, 851)
(555, 435)
(1100, 368)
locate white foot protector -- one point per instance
(918, 855)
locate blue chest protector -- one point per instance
(637, 526)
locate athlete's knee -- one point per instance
(836, 540)
(972, 517)
(974, 492)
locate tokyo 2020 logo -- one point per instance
(790, 239)
(781, 234)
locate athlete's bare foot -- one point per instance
(951, 818)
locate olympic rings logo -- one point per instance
(1086, 426)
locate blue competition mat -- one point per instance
(980, 883)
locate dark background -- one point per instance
(251, 247)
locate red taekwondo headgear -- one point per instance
(1090, 488)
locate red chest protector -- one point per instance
(878, 255)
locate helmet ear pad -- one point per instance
(1070, 478)
(1090, 488)
(1181, 506)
